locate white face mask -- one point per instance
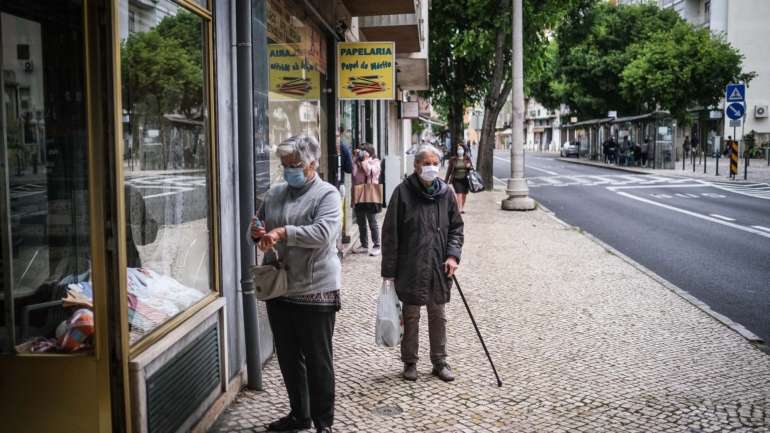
(460, 152)
(429, 173)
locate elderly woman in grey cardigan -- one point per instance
(300, 219)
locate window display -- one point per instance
(166, 162)
(44, 216)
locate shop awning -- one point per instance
(654, 114)
(363, 8)
(403, 29)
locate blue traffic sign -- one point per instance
(735, 92)
(735, 111)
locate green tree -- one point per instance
(162, 73)
(592, 52)
(666, 66)
(454, 79)
(633, 58)
(471, 59)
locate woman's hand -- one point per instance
(256, 231)
(269, 239)
(450, 266)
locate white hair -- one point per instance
(304, 147)
(426, 149)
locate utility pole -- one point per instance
(518, 191)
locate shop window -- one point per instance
(166, 164)
(46, 301)
(297, 79)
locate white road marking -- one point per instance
(697, 215)
(615, 188)
(762, 228)
(499, 180)
(722, 217)
(552, 173)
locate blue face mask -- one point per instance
(294, 176)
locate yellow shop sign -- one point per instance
(292, 76)
(366, 70)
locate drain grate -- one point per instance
(388, 410)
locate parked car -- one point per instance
(569, 149)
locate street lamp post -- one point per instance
(518, 191)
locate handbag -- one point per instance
(475, 184)
(270, 280)
(367, 192)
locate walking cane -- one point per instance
(467, 308)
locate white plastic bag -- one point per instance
(389, 327)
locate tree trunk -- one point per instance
(499, 90)
(455, 120)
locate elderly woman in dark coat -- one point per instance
(422, 240)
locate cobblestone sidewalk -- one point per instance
(582, 340)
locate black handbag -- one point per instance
(475, 184)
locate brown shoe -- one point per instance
(443, 372)
(410, 371)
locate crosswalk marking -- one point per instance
(756, 190)
(598, 180)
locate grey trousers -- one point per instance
(410, 344)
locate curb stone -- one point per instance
(609, 167)
(646, 172)
(741, 330)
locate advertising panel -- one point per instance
(366, 70)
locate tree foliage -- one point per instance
(633, 58)
(471, 58)
(666, 66)
(162, 68)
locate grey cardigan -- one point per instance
(311, 216)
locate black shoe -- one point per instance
(323, 430)
(288, 423)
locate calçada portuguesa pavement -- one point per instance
(583, 342)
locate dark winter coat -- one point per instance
(420, 232)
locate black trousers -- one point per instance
(303, 343)
(362, 217)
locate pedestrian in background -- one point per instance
(366, 169)
(300, 220)
(422, 240)
(645, 151)
(686, 146)
(457, 174)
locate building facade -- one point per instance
(121, 226)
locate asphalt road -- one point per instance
(710, 239)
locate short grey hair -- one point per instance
(425, 150)
(305, 147)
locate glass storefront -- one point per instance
(165, 161)
(46, 301)
(297, 79)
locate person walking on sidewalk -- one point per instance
(422, 240)
(457, 174)
(366, 169)
(300, 220)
